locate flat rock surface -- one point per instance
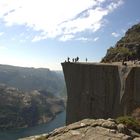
(90, 129)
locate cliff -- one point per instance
(101, 90)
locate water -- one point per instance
(43, 128)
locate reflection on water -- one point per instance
(43, 128)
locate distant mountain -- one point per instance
(20, 109)
(28, 79)
(127, 48)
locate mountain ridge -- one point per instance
(127, 48)
(28, 79)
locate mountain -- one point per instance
(28, 79)
(23, 109)
(127, 48)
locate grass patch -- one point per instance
(130, 122)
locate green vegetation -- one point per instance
(127, 48)
(120, 53)
(129, 121)
(132, 35)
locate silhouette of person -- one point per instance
(73, 60)
(86, 59)
(68, 59)
(77, 58)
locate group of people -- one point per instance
(74, 59)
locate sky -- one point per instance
(43, 33)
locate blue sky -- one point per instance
(43, 33)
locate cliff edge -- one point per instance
(97, 90)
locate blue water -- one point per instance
(43, 128)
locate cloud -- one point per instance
(3, 48)
(83, 39)
(22, 40)
(54, 18)
(115, 34)
(87, 39)
(113, 5)
(39, 37)
(95, 39)
(1, 33)
(66, 38)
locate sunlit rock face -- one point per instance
(90, 129)
(127, 48)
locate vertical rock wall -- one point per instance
(131, 97)
(100, 91)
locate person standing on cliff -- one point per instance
(68, 59)
(73, 60)
(77, 58)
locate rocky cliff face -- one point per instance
(101, 90)
(127, 48)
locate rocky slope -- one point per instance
(89, 129)
(19, 109)
(127, 48)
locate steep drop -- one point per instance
(100, 90)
